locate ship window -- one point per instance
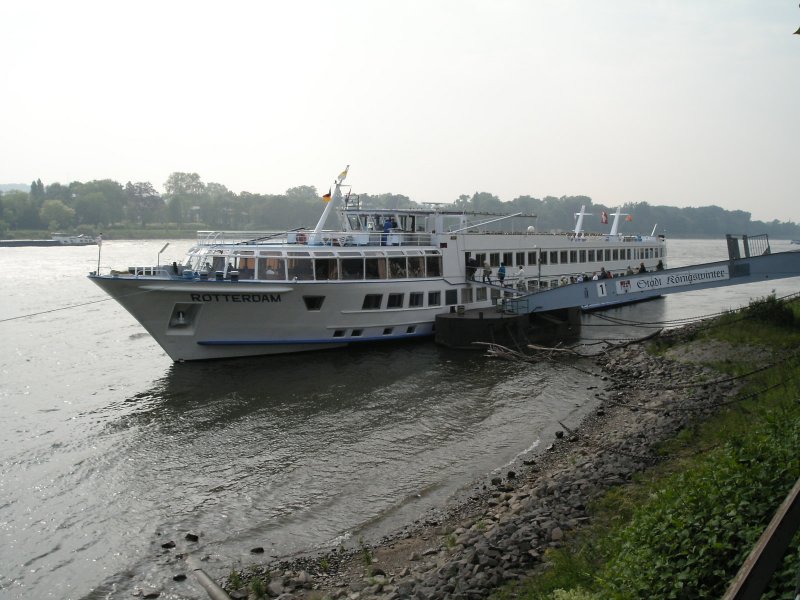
(434, 298)
(494, 259)
(466, 296)
(271, 268)
(411, 329)
(387, 331)
(615, 254)
(480, 258)
(376, 268)
(507, 258)
(397, 267)
(433, 266)
(573, 256)
(495, 294)
(554, 258)
(246, 267)
(395, 301)
(591, 255)
(352, 268)
(480, 294)
(372, 302)
(416, 266)
(357, 332)
(532, 257)
(543, 258)
(582, 255)
(451, 297)
(338, 333)
(314, 302)
(325, 269)
(628, 253)
(300, 268)
(416, 299)
(608, 254)
(563, 257)
(520, 258)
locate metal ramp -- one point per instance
(750, 260)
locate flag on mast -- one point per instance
(327, 197)
(604, 217)
(629, 218)
(343, 174)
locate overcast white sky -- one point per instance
(683, 103)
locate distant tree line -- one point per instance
(188, 203)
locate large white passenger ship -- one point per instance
(378, 275)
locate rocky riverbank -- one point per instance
(502, 530)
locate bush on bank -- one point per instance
(684, 530)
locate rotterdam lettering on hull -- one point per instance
(254, 298)
(660, 281)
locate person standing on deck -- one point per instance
(501, 272)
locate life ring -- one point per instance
(301, 238)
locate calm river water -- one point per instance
(109, 449)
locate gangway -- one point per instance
(749, 260)
(554, 314)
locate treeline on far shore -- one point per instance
(137, 210)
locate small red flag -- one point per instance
(604, 217)
(629, 218)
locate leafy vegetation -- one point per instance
(684, 529)
(190, 204)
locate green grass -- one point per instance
(683, 529)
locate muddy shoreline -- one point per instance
(499, 530)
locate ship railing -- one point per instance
(150, 271)
(395, 237)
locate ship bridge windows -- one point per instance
(416, 299)
(582, 256)
(615, 254)
(532, 257)
(591, 256)
(434, 298)
(508, 257)
(543, 257)
(494, 259)
(573, 256)
(451, 297)
(520, 258)
(562, 257)
(554, 257)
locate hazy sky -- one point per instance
(683, 103)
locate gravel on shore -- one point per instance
(502, 530)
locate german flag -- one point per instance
(327, 197)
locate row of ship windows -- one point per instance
(326, 269)
(415, 299)
(563, 257)
(410, 329)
